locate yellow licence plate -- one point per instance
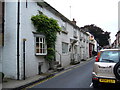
(107, 80)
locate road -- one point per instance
(79, 77)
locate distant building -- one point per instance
(119, 15)
(116, 43)
(93, 45)
(118, 39)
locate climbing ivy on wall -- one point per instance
(49, 27)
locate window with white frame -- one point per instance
(40, 46)
(64, 47)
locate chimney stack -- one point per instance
(74, 22)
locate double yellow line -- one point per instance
(51, 77)
(47, 79)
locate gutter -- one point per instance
(18, 29)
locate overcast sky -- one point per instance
(102, 13)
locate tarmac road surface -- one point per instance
(79, 77)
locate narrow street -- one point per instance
(79, 77)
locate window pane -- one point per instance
(41, 39)
(44, 50)
(41, 51)
(37, 45)
(41, 45)
(37, 50)
(110, 56)
(37, 39)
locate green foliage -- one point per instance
(101, 36)
(49, 27)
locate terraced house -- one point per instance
(21, 56)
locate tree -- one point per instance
(101, 36)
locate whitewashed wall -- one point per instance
(0, 59)
(27, 29)
(10, 45)
(26, 32)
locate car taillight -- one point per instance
(97, 59)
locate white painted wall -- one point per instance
(0, 58)
(95, 48)
(26, 29)
(10, 38)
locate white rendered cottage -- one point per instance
(19, 57)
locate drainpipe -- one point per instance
(3, 11)
(18, 29)
(24, 40)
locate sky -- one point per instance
(102, 13)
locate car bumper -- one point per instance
(105, 80)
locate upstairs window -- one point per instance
(40, 47)
(64, 26)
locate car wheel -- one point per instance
(117, 70)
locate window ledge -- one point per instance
(64, 53)
(66, 32)
(40, 54)
(75, 36)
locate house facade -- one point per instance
(118, 39)
(116, 43)
(93, 45)
(22, 55)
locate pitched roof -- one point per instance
(54, 11)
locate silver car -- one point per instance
(106, 68)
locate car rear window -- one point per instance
(110, 56)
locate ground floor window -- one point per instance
(40, 47)
(64, 47)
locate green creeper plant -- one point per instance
(49, 27)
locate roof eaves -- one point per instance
(54, 11)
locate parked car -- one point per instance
(106, 68)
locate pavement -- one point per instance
(20, 84)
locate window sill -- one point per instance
(64, 54)
(39, 54)
(66, 32)
(75, 36)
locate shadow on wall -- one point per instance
(1, 76)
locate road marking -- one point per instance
(91, 84)
(57, 75)
(47, 79)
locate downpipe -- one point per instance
(18, 29)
